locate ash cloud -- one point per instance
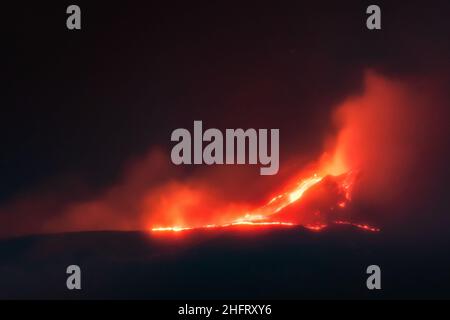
(267, 66)
(396, 134)
(391, 132)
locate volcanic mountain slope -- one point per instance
(323, 203)
(229, 263)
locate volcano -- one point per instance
(322, 203)
(313, 202)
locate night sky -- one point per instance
(79, 106)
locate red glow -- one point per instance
(369, 152)
(273, 213)
(321, 197)
(361, 226)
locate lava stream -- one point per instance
(264, 216)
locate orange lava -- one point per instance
(312, 227)
(328, 189)
(264, 215)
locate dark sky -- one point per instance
(82, 103)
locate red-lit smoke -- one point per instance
(377, 138)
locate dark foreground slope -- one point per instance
(265, 263)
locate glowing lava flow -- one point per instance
(263, 215)
(235, 223)
(281, 201)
